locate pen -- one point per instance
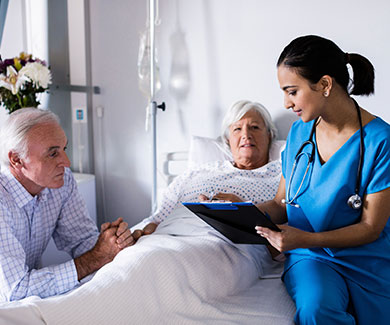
(211, 195)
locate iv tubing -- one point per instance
(153, 105)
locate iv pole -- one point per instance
(153, 105)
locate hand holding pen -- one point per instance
(220, 197)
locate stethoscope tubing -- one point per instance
(291, 201)
(355, 197)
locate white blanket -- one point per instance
(185, 273)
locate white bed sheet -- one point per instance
(185, 273)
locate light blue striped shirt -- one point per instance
(26, 225)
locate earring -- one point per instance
(326, 94)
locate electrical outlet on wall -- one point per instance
(79, 115)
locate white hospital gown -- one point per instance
(256, 185)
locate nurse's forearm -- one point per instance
(275, 208)
(354, 235)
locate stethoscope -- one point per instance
(354, 201)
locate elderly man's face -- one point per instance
(46, 159)
(249, 141)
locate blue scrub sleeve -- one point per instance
(380, 172)
(284, 157)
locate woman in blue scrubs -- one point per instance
(336, 199)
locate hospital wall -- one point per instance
(232, 48)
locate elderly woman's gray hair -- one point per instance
(13, 133)
(238, 110)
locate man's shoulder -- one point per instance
(8, 205)
(6, 197)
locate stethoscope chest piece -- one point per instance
(355, 201)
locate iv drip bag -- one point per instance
(179, 81)
(144, 66)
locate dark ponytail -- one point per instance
(363, 75)
(313, 57)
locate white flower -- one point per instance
(38, 73)
(12, 81)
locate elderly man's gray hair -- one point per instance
(238, 110)
(13, 134)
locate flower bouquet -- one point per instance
(21, 79)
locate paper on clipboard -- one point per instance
(234, 220)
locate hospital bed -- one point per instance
(172, 277)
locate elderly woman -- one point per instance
(248, 132)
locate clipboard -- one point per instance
(234, 220)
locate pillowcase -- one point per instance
(277, 147)
(203, 149)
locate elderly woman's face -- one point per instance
(249, 141)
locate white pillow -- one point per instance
(204, 150)
(277, 147)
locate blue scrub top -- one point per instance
(323, 201)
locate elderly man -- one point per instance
(39, 200)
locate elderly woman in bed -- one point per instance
(248, 133)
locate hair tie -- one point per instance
(346, 57)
